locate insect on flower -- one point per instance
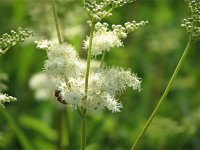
(58, 96)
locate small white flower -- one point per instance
(95, 83)
(103, 40)
(112, 104)
(43, 44)
(63, 62)
(117, 79)
(4, 98)
(74, 99)
(95, 103)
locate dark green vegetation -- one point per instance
(152, 52)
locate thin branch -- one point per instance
(180, 63)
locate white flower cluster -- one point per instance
(4, 98)
(44, 44)
(98, 10)
(64, 65)
(192, 24)
(105, 40)
(9, 40)
(103, 86)
(63, 62)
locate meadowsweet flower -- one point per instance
(103, 40)
(62, 62)
(112, 104)
(192, 24)
(44, 44)
(4, 98)
(64, 65)
(9, 40)
(103, 86)
(98, 11)
(117, 79)
(74, 99)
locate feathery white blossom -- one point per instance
(64, 65)
(4, 98)
(104, 40)
(103, 86)
(112, 104)
(43, 44)
(63, 61)
(117, 79)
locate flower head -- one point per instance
(192, 24)
(98, 11)
(4, 98)
(103, 86)
(64, 65)
(9, 40)
(103, 40)
(62, 62)
(43, 44)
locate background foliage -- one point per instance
(152, 52)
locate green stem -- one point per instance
(83, 116)
(59, 129)
(56, 22)
(180, 63)
(60, 113)
(102, 59)
(89, 57)
(4, 51)
(83, 131)
(108, 12)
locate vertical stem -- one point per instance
(180, 63)
(83, 131)
(89, 57)
(59, 125)
(59, 129)
(56, 22)
(83, 117)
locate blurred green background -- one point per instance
(152, 52)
